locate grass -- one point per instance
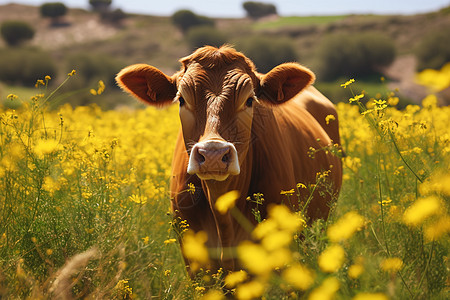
(84, 212)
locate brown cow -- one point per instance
(243, 131)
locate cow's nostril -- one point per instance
(226, 158)
(200, 156)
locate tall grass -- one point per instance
(84, 210)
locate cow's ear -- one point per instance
(148, 84)
(284, 82)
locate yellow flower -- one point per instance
(49, 252)
(437, 80)
(169, 241)
(392, 264)
(356, 98)
(326, 290)
(226, 201)
(12, 97)
(233, 279)
(194, 246)
(345, 227)
(331, 259)
(73, 72)
(45, 147)
(330, 118)
(436, 230)
(145, 240)
(167, 272)
(251, 256)
(299, 277)
(138, 199)
(421, 210)
(287, 193)
(370, 296)
(213, 295)
(47, 78)
(191, 188)
(354, 271)
(344, 85)
(50, 185)
(285, 219)
(250, 290)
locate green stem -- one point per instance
(402, 158)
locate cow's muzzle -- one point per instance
(214, 160)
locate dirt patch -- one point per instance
(402, 71)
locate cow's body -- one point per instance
(266, 144)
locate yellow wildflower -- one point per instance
(49, 252)
(145, 240)
(437, 80)
(345, 227)
(194, 246)
(330, 118)
(251, 256)
(12, 97)
(191, 188)
(250, 290)
(326, 290)
(47, 78)
(421, 210)
(436, 230)
(167, 272)
(299, 277)
(123, 289)
(45, 147)
(287, 193)
(277, 239)
(331, 259)
(370, 296)
(354, 271)
(169, 241)
(72, 73)
(356, 98)
(344, 85)
(285, 219)
(233, 279)
(138, 199)
(226, 201)
(213, 295)
(392, 264)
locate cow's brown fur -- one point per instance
(277, 133)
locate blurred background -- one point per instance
(381, 44)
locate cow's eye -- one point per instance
(181, 100)
(249, 102)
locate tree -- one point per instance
(350, 55)
(256, 10)
(186, 19)
(200, 36)
(54, 11)
(100, 5)
(16, 32)
(268, 52)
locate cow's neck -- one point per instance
(226, 224)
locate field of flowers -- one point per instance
(84, 210)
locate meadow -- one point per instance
(85, 209)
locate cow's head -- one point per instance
(216, 90)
